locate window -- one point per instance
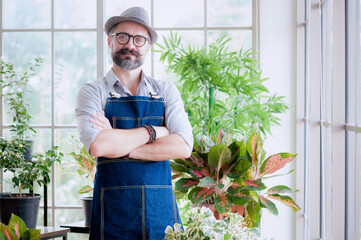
(328, 113)
(69, 35)
(353, 121)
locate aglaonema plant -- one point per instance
(17, 230)
(232, 174)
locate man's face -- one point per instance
(128, 56)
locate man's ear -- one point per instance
(109, 41)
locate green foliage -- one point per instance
(86, 164)
(17, 230)
(202, 225)
(232, 174)
(14, 86)
(24, 172)
(221, 89)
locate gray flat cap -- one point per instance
(134, 14)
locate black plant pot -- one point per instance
(26, 207)
(28, 149)
(87, 208)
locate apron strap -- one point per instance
(152, 93)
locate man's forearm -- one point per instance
(113, 143)
(165, 148)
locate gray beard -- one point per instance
(127, 64)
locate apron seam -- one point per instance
(136, 187)
(102, 213)
(143, 214)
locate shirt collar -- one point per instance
(111, 79)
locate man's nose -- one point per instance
(130, 43)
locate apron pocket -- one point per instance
(152, 120)
(121, 213)
(125, 122)
(160, 210)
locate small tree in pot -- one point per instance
(29, 168)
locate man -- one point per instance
(134, 124)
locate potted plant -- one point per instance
(25, 170)
(86, 167)
(227, 102)
(202, 225)
(233, 174)
(17, 229)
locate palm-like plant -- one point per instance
(221, 89)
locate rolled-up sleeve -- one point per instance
(89, 101)
(176, 119)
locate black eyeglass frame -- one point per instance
(128, 35)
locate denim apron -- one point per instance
(133, 199)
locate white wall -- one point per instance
(278, 63)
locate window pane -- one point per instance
(195, 38)
(75, 14)
(68, 182)
(240, 39)
(24, 14)
(66, 216)
(230, 13)
(20, 49)
(174, 13)
(75, 64)
(116, 7)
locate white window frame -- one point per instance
(101, 56)
(340, 218)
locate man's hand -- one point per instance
(100, 122)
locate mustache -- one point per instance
(127, 51)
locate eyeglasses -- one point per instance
(123, 38)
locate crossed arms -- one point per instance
(113, 143)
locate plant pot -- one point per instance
(240, 209)
(26, 207)
(29, 149)
(87, 208)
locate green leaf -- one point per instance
(254, 146)
(240, 168)
(270, 206)
(241, 196)
(288, 201)
(199, 172)
(17, 223)
(185, 183)
(253, 216)
(178, 168)
(222, 204)
(209, 182)
(85, 189)
(256, 184)
(275, 162)
(280, 189)
(34, 233)
(198, 195)
(218, 156)
(6, 230)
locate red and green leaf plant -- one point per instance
(86, 166)
(17, 230)
(232, 174)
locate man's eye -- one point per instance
(123, 37)
(139, 39)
